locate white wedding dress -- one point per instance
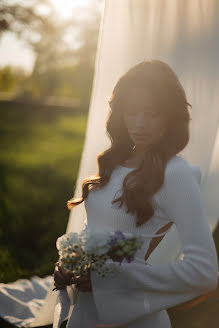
(140, 293)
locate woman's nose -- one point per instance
(140, 119)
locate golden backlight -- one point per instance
(65, 8)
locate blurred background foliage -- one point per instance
(64, 49)
(42, 127)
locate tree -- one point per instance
(26, 20)
(61, 68)
(65, 49)
(10, 78)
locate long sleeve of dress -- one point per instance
(141, 289)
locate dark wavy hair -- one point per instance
(141, 183)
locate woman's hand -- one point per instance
(84, 284)
(63, 278)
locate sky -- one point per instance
(11, 45)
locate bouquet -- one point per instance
(89, 250)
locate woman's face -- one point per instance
(144, 121)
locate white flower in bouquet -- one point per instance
(67, 240)
(96, 242)
(70, 251)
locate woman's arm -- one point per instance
(140, 289)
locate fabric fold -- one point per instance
(65, 302)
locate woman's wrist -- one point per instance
(84, 286)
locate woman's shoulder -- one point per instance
(178, 168)
(176, 162)
(180, 178)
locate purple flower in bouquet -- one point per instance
(118, 235)
(123, 247)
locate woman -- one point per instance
(148, 125)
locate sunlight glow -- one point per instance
(65, 8)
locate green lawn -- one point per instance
(39, 161)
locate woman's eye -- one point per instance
(154, 114)
(129, 114)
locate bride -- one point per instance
(148, 125)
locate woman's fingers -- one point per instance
(67, 277)
(59, 286)
(62, 272)
(77, 280)
(59, 278)
(84, 278)
(67, 274)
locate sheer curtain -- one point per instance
(185, 35)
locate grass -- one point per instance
(39, 161)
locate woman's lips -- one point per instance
(139, 135)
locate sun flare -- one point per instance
(65, 8)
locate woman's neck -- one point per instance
(133, 161)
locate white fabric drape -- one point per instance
(185, 35)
